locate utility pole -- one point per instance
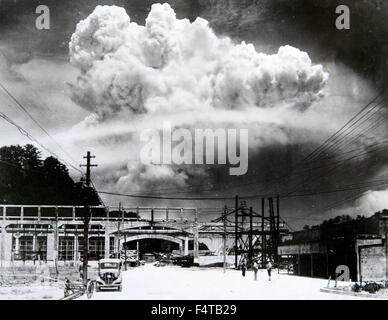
(272, 227)
(250, 252)
(87, 214)
(277, 226)
(56, 243)
(263, 236)
(125, 239)
(118, 232)
(125, 252)
(88, 165)
(236, 232)
(224, 237)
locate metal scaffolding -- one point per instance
(256, 236)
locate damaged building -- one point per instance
(360, 244)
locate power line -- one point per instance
(29, 136)
(320, 149)
(16, 101)
(375, 183)
(346, 200)
(324, 146)
(336, 165)
(333, 136)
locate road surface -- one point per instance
(172, 282)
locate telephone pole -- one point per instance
(225, 233)
(87, 215)
(88, 165)
(118, 233)
(236, 233)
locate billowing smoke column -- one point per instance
(174, 64)
(184, 71)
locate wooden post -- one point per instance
(137, 253)
(298, 261)
(118, 232)
(86, 244)
(125, 252)
(56, 241)
(4, 211)
(250, 252)
(236, 232)
(272, 227)
(312, 264)
(263, 236)
(224, 237)
(386, 253)
(277, 223)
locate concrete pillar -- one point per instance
(196, 246)
(39, 214)
(186, 246)
(17, 245)
(107, 244)
(7, 246)
(50, 247)
(75, 249)
(180, 247)
(117, 243)
(73, 213)
(21, 213)
(34, 242)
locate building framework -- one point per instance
(55, 233)
(256, 236)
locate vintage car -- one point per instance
(109, 275)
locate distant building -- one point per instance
(359, 244)
(55, 233)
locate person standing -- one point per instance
(269, 269)
(243, 269)
(81, 270)
(255, 268)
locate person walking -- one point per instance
(243, 269)
(269, 269)
(255, 268)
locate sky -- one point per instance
(97, 94)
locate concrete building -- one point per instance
(51, 233)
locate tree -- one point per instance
(27, 179)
